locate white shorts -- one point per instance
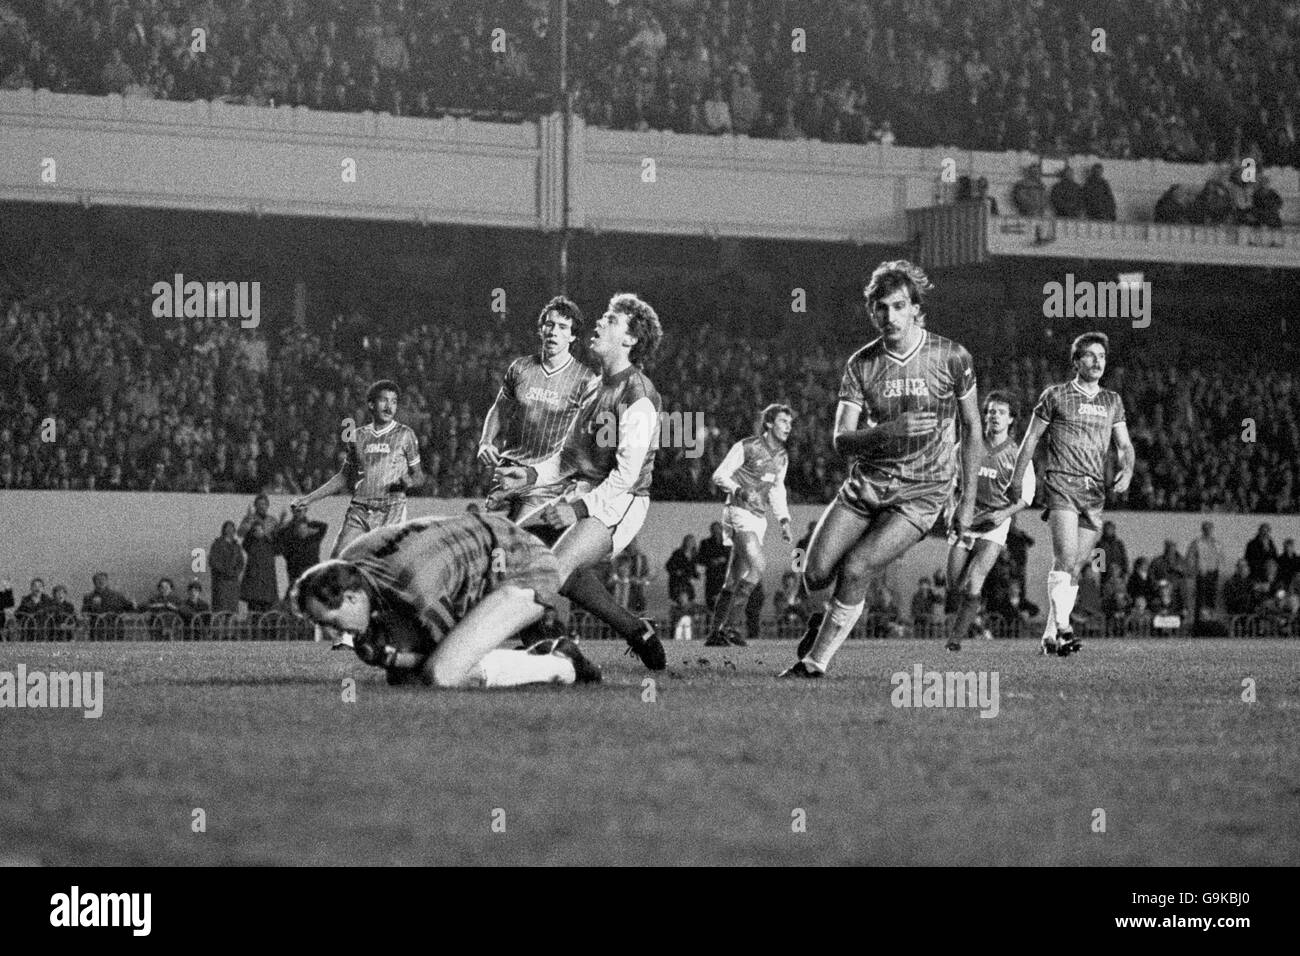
(735, 519)
(997, 535)
(623, 516)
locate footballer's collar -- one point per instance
(1074, 383)
(541, 360)
(380, 432)
(903, 359)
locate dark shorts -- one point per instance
(1078, 493)
(521, 559)
(363, 516)
(920, 502)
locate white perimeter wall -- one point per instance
(64, 537)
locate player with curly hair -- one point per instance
(901, 399)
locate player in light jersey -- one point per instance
(534, 411)
(383, 461)
(973, 553)
(753, 476)
(1080, 419)
(429, 600)
(901, 399)
(601, 478)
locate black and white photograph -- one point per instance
(652, 433)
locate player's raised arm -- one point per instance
(1127, 457)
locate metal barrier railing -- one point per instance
(160, 626)
(284, 626)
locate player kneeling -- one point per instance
(430, 600)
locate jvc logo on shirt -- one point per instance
(990, 473)
(898, 387)
(74, 909)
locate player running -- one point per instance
(1079, 418)
(973, 553)
(383, 461)
(534, 411)
(753, 476)
(429, 601)
(901, 398)
(600, 482)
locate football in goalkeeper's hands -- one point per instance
(399, 633)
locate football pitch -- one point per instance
(1131, 753)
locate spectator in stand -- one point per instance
(226, 560)
(717, 114)
(714, 555)
(1087, 605)
(1206, 560)
(258, 587)
(982, 195)
(1012, 608)
(1174, 206)
(788, 604)
(1098, 199)
(162, 611)
(1259, 551)
(637, 567)
(1066, 196)
(1116, 554)
(106, 607)
(682, 568)
(883, 612)
(1141, 583)
(6, 600)
(1173, 567)
(1029, 195)
(1208, 624)
(63, 615)
(193, 607)
(1139, 620)
(1288, 564)
(1239, 591)
(1266, 205)
(746, 103)
(35, 606)
(927, 606)
(298, 540)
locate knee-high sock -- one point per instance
(503, 668)
(835, 629)
(586, 589)
(968, 606)
(739, 603)
(721, 610)
(1062, 595)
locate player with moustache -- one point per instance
(902, 398)
(972, 554)
(600, 482)
(430, 600)
(534, 411)
(1080, 419)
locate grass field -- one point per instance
(714, 770)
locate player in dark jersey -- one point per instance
(534, 411)
(753, 476)
(1080, 419)
(383, 461)
(602, 475)
(901, 398)
(429, 600)
(971, 554)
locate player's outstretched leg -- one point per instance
(743, 575)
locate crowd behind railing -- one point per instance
(1192, 80)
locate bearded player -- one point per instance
(601, 479)
(753, 476)
(901, 399)
(429, 601)
(534, 411)
(383, 461)
(972, 554)
(1080, 419)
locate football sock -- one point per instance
(721, 611)
(739, 603)
(967, 607)
(834, 631)
(503, 668)
(1054, 582)
(1062, 595)
(586, 589)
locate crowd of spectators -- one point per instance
(93, 397)
(1182, 80)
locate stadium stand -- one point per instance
(990, 75)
